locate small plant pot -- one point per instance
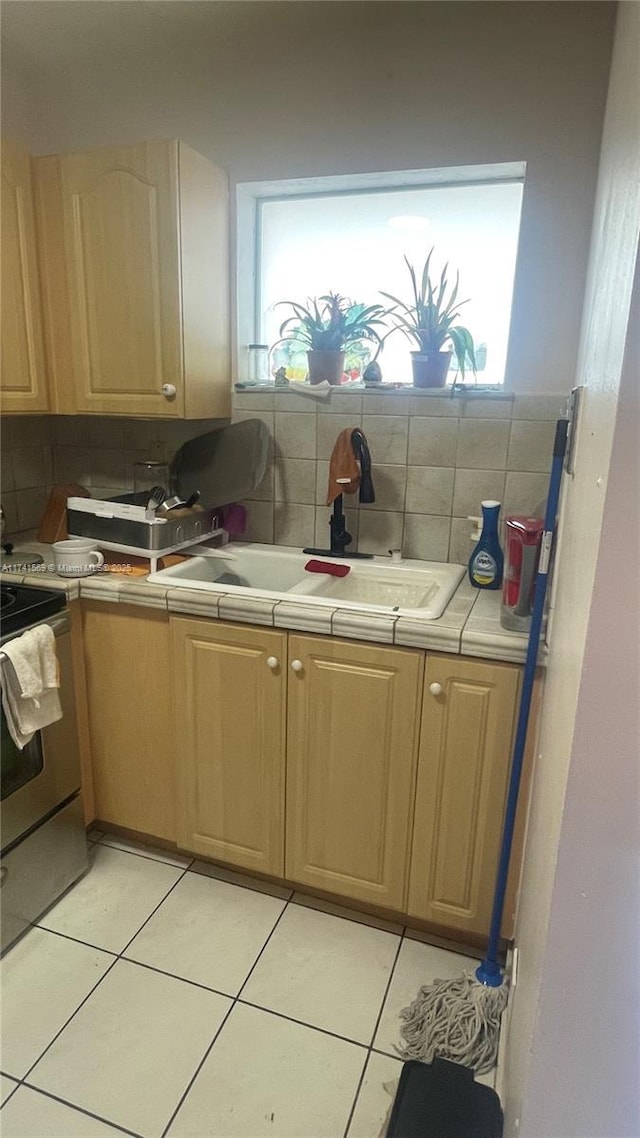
(325, 366)
(430, 368)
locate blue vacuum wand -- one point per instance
(489, 972)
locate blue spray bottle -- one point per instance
(486, 562)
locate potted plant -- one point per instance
(431, 322)
(326, 327)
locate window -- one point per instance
(352, 239)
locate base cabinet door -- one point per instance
(229, 741)
(126, 658)
(352, 739)
(468, 719)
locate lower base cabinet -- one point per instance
(376, 774)
(229, 731)
(128, 677)
(468, 719)
(353, 716)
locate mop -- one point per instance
(459, 1019)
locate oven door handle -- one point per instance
(59, 624)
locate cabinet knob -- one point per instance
(272, 661)
(297, 665)
(168, 390)
(435, 689)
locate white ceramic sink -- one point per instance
(422, 588)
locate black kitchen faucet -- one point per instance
(340, 538)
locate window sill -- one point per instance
(488, 392)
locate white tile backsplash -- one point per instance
(432, 455)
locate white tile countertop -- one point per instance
(470, 624)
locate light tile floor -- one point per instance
(162, 996)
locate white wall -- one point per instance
(276, 90)
(573, 1051)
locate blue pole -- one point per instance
(489, 972)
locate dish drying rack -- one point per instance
(134, 530)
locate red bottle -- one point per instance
(522, 551)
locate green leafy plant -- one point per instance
(332, 323)
(431, 319)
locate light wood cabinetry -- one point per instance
(229, 684)
(127, 667)
(395, 772)
(23, 381)
(135, 267)
(465, 751)
(353, 712)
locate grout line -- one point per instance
(17, 1083)
(77, 940)
(68, 1021)
(302, 1023)
(80, 1109)
(357, 1094)
(370, 1047)
(341, 917)
(253, 966)
(197, 1071)
(234, 1001)
(139, 853)
(240, 885)
(109, 969)
(175, 976)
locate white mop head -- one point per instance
(457, 1020)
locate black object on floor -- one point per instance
(443, 1100)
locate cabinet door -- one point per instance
(351, 749)
(229, 741)
(463, 768)
(23, 365)
(119, 209)
(127, 652)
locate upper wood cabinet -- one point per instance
(229, 690)
(468, 718)
(135, 269)
(23, 380)
(353, 718)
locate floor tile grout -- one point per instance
(213, 1041)
(373, 1036)
(81, 1109)
(76, 940)
(105, 974)
(236, 999)
(301, 1023)
(139, 853)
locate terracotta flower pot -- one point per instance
(430, 368)
(325, 366)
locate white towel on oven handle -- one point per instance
(29, 677)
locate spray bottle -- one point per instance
(486, 562)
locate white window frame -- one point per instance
(250, 196)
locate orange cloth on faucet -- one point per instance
(344, 464)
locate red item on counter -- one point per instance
(329, 567)
(519, 531)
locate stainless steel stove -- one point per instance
(24, 605)
(44, 848)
